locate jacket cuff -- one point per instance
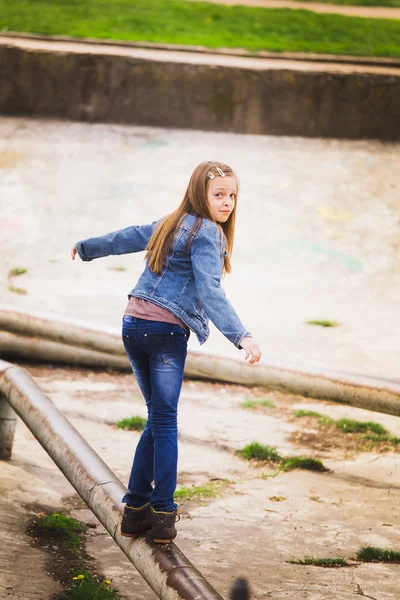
(247, 334)
(79, 249)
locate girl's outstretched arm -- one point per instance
(207, 267)
(123, 241)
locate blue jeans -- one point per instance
(157, 353)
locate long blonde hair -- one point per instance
(194, 202)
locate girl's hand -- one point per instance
(251, 348)
(73, 252)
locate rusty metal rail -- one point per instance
(165, 568)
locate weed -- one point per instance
(300, 462)
(323, 419)
(307, 413)
(64, 527)
(16, 271)
(321, 562)
(378, 438)
(17, 290)
(85, 586)
(375, 554)
(255, 403)
(208, 490)
(349, 426)
(256, 451)
(136, 423)
(373, 431)
(322, 323)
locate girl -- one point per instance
(178, 291)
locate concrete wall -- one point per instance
(89, 86)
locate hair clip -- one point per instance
(211, 175)
(220, 171)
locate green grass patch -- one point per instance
(378, 439)
(301, 462)
(66, 529)
(392, 3)
(350, 426)
(17, 271)
(323, 419)
(85, 586)
(330, 563)
(375, 554)
(256, 451)
(132, 423)
(322, 323)
(211, 489)
(371, 434)
(257, 403)
(211, 25)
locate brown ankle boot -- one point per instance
(135, 520)
(163, 525)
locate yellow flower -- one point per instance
(107, 581)
(56, 515)
(78, 577)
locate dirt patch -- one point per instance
(63, 558)
(324, 438)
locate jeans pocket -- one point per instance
(160, 346)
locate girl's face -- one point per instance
(221, 196)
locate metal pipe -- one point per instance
(165, 568)
(8, 420)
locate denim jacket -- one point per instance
(189, 284)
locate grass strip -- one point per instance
(375, 554)
(301, 462)
(372, 431)
(260, 453)
(256, 451)
(322, 323)
(211, 25)
(391, 3)
(210, 489)
(132, 423)
(257, 403)
(330, 563)
(374, 434)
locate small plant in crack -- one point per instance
(266, 402)
(132, 423)
(267, 454)
(211, 489)
(375, 554)
(322, 323)
(256, 451)
(330, 563)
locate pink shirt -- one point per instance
(144, 309)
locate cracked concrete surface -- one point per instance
(256, 524)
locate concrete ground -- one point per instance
(259, 521)
(317, 231)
